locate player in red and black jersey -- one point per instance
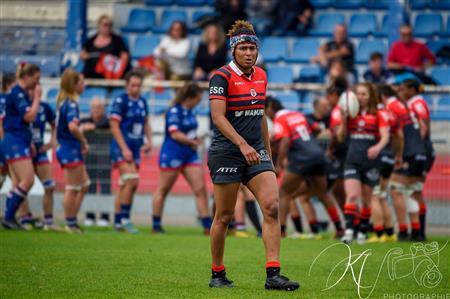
(404, 178)
(368, 134)
(307, 162)
(419, 107)
(240, 153)
(390, 157)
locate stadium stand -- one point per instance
(144, 46)
(427, 25)
(326, 23)
(140, 21)
(362, 25)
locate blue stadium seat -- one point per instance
(378, 4)
(161, 100)
(441, 75)
(290, 99)
(427, 25)
(384, 30)
(8, 64)
(274, 49)
(322, 3)
(419, 4)
(311, 74)
(140, 21)
(435, 45)
(159, 2)
(50, 66)
(307, 102)
(168, 17)
(93, 92)
(440, 4)
(116, 92)
(304, 49)
(367, 47)
(362, 25)
(349, 4)
(51, 95)
(190, 2)
(440, 115)
(198, 14)
(444, 102)
(280, 74)
(448, 28)
(326, 23)
(144, 46)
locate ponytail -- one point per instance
(26, 69)
(189, 90)
(69, 81)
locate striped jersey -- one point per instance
(245, 102)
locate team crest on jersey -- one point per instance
(141, 104)
(361, 123)
(253, 92)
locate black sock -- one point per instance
(422, 219)
(283, 229)
(272, 271)
(364, 226)
(337, 225)
(105, 216)
(389, 231)
(297, 221)
(217, 274)
(349, 221)
(232, 225)
(314, 226)
(90, 215)
(250, 207)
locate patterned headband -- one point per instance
(243, 38)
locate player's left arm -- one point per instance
(423, 116)
(398, 141)
(265, 135)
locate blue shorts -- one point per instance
(117, 157)
(69, 156)
(171, 159)
(16, 149)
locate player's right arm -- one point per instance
(73, 121)
(114, 122)
(218, 95)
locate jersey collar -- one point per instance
(391, 99)
(238, 71)
(281, 112)
(415, 98)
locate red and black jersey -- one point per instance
(364, 132)
(419, 106)
(394, 127)
(245, 101)
(413, 143)
(294, 125)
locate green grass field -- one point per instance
(105, 264)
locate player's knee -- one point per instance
(352, 198)
(271, 208)
(225, 217)
(27, 182)
(133, 183)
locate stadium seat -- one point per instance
(159, 2)
(190, 2)
(367, 47)
(448, 28)
(440, 4)
(377, 4)
(384, 30)
(93, 92)
(326, 23)
(8, 64)
(168, 17)
(322, 3)
(441, 75)
(116, 92)
(280, 74)
(199, 14)
(51, 95)
(160, 100)
(50, 66)
(419, 4)
(427, 25)
(435, 45)
(144, 46)
(349, 4)
(362, 25)
(440, 115)
(290, 99)
(304, 49)
(307, 102)
(274, 49)
(140, 21)
(311, 74)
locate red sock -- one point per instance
(333, 213)
(272, 264)
(379, 229)
(402, 227)
(422, 209)
(365, 213)
(218, 268)
(350, 208)
(415, 225)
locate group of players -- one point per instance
(384, 152)
(23, 151)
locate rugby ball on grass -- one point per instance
(348, 102)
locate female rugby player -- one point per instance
(179, 155)
(72, 145)
(129, 125)
(368, 134)
(240, 153)
(20, 112)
